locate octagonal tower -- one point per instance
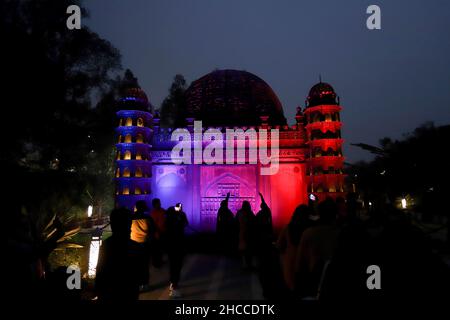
(323, 129)
(133, 159)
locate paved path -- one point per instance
(206, 277)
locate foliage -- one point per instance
(173, 108)
(51, 76)
(59, 90)
(412, 166)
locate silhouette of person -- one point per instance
(176, 222)
(317, 246)
(354, 252)
(118, 261)
(289, 241)
(225, 226)
(267, 257)
(158, 215)
(409, 267)
(245, 219)
(141, 229)
(263, 226)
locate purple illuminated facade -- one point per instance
(225, 99)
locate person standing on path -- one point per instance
(176, 222)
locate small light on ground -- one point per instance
(89, 211)
(404, 205)
(94, 251)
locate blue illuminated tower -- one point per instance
(133, 158)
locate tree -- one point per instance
(173, 108)
(59, 91)
(412, 166)
(51, 79)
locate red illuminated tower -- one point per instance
(323, 128)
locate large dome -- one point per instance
(233, 98)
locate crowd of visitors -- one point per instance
(325, 250)
(323, 253)
(137, 239)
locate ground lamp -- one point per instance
(89, 211)
(94, 250)
(404, 203)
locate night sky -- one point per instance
(390, 80)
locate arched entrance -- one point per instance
(240, 187)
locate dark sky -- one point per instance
(389, 80)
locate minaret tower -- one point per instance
(133, 163)
(323, 130)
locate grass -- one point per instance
(63, 257)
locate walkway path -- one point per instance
(206, 277)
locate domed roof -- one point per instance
(134, 99)
(233, 98)
(321, 93)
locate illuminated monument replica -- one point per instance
(310, 151)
